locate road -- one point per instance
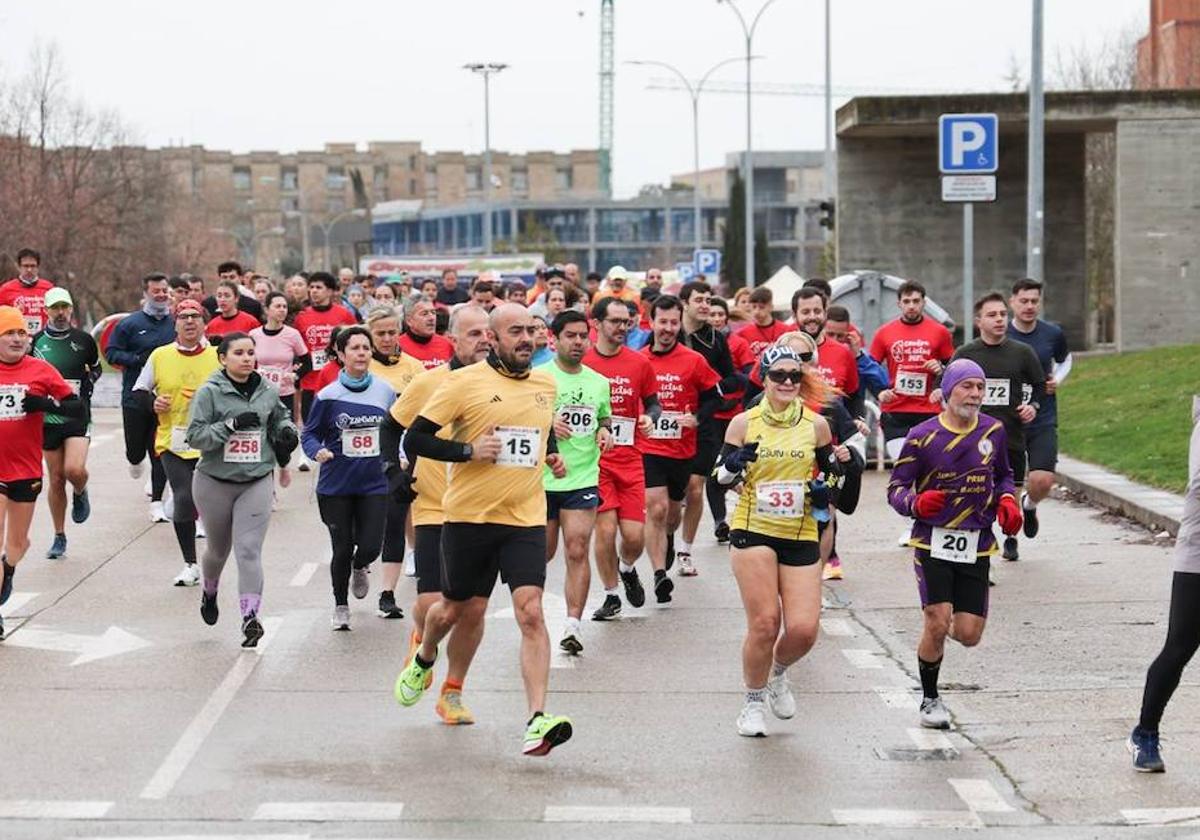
(124, 715)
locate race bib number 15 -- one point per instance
(520, 446)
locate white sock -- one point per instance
(1027, 502)
(611, 590)
(573, 626)
(626, 567)
(685, 547)
(777, 669)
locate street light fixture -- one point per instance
(486, 70)
(694, 94)
(327, 229)
(748, 31)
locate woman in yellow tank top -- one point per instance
(771, 450)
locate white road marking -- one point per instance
(304, 574)
(616, 814)
(898, 698)
(896, 818)
(861, 658)
(329, 811)
(837, 627)
(16, 601)
(929, 739)
(189, 743)
(52, 809)
(554, 608)
(205, 837)
(1161, 816)
(100, 440)
(112, 642)
(981, 796)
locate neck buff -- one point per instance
(155, 309)
(505, 370)
(356, 385)
(420, 339)
(787, 418)
(192, 351)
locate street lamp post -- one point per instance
(694, 94)
(327, 230)
(486, 70)
(748, 177)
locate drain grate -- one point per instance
(911, 754)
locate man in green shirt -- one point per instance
(582, 421)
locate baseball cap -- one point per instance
(57, 297)
(618, 272)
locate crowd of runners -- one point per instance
(463, 431)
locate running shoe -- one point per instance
(833, 569)
(157, 512)
(663, 587)
(1031, 520)
(934, 714)
(570, 644)
(81, 507)
(686, 569)
(752, 721)
(387, 606)
(208, 608)
(341, 617)
(670, 551)
(1143, 746)
(780, 697)
(252, 631)
(360, 584)
(451, 710)
(635, 593)
(6, 587)
(1010, 549)
(610, 609)
(190, 576)
(136, 470)
(414, 644)
(58, 548)
(722, 532)
(412, 682)
(545, 732)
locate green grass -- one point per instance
(1132, 413)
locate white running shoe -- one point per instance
(158, 512)
(360, 584)
(752, 722)
(190, 576)
(341, 618)
(934, 714)
(136, 470)
(780, 697)
(686, 568)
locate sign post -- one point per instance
(968, 154)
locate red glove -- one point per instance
(1008, 514)
(929, 503)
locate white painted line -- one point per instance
(896, 818)
(861, 658)
(981, 796)
(205, 837)
(837, 627)
(929, 739)
(616, 814)
(1161, 816)
(329, 811)
(304, 574)
(898, 698)
(189, 743)
(16, 601)
(51, 809)
(100, 440)
(270, 631)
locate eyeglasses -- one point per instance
(619, 322)
(189, 316)
(781, 376)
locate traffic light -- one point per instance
(828, 211)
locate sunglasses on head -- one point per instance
(781, 376)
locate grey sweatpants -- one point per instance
(236, 517)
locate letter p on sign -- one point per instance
(968, 143)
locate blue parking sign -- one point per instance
(707, 261)
(968, 144)
(687, 272)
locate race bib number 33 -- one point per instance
(779, 498)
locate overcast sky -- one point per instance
(267, 74)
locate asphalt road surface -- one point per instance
(124, 715)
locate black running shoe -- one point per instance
(571, 645)
(663, 587)
(1010, 549)
(610, 609)
(7, 586)
(635, 594)
(670, 551)
(252, 631)
(387, 606)
(1031, 520)
(208, 608)
(722, 532)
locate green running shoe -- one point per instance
(411, 682)
(545, 733)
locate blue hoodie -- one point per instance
(130, 345)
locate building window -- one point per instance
(379, 179)
(289, 204)
(241, 177)
(412, 186)
(520, 181)
(290, 180)
(563, 179)
(412, 161)
(335, 178)
(337, 205)
(473, 179)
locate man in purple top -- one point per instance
(953, 477)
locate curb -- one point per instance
(1156, 509)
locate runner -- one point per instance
(242, 431)
(280, 352)
(341, 433)
(29, 387)
(773, 450)
(315, 323)
(954, 479)
(872, 376)
(74, 354)
(1016, 384)
(420, 339)
(229, 318)
(761, 331)
(27, 292)
(1041, 435)
(583, 427)
(501, 413)
(687, 390)
(397, 369)
(166, 385)
(633, 397)
(472, 343)
(135, 337)
(744, 359)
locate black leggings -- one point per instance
(140, 428)
(393, 535)
(716, 498)
(1183, 638)
(356, 525)
(183, 513)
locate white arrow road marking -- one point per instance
(16, 601)
(304, 574)
(113, 642)
(554, 608)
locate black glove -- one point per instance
(737, 460)
(247, 420)
(400, 485)
(731, 384)
(285, 443)
(33, 403)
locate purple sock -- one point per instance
(250, 604)
(210, 586)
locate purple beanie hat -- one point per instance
(956, 372)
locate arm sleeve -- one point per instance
(710, 402)
(1061, 369)
(422, 441)
(723, 476)
(390, 435)
(117, 352)
(71, 406)
(905, 472)
(206, 431)
(871, 374)
(310, 439)
(93, 360)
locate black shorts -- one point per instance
(964, 585)
(709, 438)
(1041, 445)
(54, 435)
(587, 498)
(787, 552)
(672, 473)
(897, 424)
(1016, 460)
(21, 489)
(473, 554)
(427, 555)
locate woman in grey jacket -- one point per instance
(242, 432)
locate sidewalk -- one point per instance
(1153, 508)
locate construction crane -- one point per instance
(606, 95)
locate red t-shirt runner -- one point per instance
(905, 348)
(314, 326)
(836, 365)
(630, 381)
(240, 322)
(760, 338)
(682, 375)
(432, 352)
(21, 454)
(30, 300)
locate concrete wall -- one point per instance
(1158, 232)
